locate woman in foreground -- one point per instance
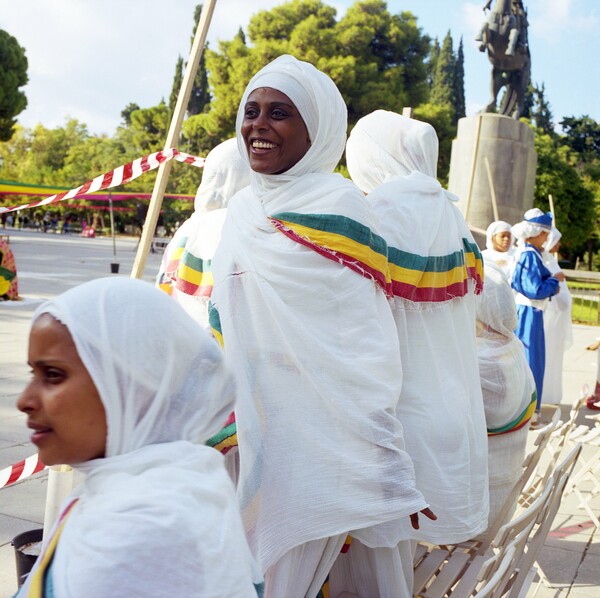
(130, 404)
(299, 302)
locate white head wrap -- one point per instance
(385, 145)
(553, 238)
(526, 229)
(225, 172)
(493, 229)
(496, 306)
(320, 105)
(164, 388)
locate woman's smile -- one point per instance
(275, 135)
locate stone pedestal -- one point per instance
(506, 145)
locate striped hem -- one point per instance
(519, 422)
(339, 239)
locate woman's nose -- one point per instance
(27, 400)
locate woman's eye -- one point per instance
(279, 114)
(54, 375)
(250, 113)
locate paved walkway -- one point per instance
(50, 264)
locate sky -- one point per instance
(88, 59)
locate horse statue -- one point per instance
(504, 36)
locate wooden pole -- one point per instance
(551, 202)
(172, 138)
(473, 167)
(407, 111)
(492, 190)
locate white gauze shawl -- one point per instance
(195, 241)
(506, 382)
(440, 405)
(158, 515)
(313, 346)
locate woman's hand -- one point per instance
(414, 518)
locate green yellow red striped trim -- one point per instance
(519, 421)
(36, 588)
(190, 274)
(435, 278)
(226, 438)
(214, 321)
(340, 239)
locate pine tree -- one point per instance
(434, 54)
(442, 91)
(177, 80)
(459, 84)
(200, 95)
(543, 113)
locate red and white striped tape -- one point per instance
(119, 176)
(21, 470)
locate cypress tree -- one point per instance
(459, 84)
(442, 91)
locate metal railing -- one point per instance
(585, 292)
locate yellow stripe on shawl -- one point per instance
(434, 280)
(343, 244)
(36, 588)
(194, 276)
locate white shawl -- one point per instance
(434, 310)
(157, 516)
(506, 382)
(185, 271)
(313, 346)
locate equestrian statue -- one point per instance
(504, 36)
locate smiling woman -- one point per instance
(299, 302)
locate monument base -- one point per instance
(493, 162)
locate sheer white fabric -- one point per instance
(158, 515)
(506, 382)
(440, 405)
(317, 359)
(503, 259)
(224, 173)
(558, 327)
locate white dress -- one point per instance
(558, 331)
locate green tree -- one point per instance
(177, 81)
(126, 112)
(573, 201)
(200, 95)
(377, 60)
(542, 113)
(582, 135)
(443, 89)
(459, 84)
(13, 75)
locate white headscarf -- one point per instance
(374, 155)
(320, 105)
(152, 511)
(553, 238)
(493, 229)
(225, 172)
(526, 229)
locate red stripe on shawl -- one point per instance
(429, 294)
(336, 256)
(189, 288)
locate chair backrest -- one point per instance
(545, 517)
(529, 466)
(501, 564)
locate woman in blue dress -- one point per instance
(534, 285)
